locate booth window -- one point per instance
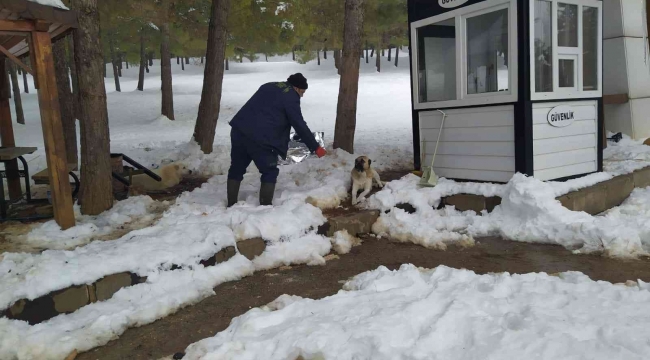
(487, 52)
(467, 56)
(543, 44)
(566, 47)
(437, 61)
(590, 48)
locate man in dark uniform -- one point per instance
(260, 132)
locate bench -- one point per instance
(43, 178)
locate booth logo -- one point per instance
(561, 116)
(451, 3)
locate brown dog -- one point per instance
(362, 176)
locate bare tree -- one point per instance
(167, 106)
(346, 110)
(96, 193)
(20, 115)
(206, 121)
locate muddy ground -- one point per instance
(174, 333)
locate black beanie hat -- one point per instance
(298, 81)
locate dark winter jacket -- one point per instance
(268, 116)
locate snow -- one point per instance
(528, 212)
(96, 324)
(444, 313)
(53, 3)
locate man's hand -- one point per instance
(320, 152)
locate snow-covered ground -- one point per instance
(198, 224)
(445, 313)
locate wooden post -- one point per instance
(7, 134)
(48, 102)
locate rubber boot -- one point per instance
(233, 191)
(266, 193)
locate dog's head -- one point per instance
(362, 163)
(181, 169)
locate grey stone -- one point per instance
(619, 189)
(71, 299)
(251, 247)
(16, 309)
(642, 178)
(109, 285)
(466, 202)
(357, 223)
(225, 254)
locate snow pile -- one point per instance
(98, 323)
(53, 3)
(445, 313)
(528, 212)
(139, 209)
(342, 242)
(625, 156)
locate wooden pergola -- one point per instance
(28, 29)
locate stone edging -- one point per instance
(70, 299)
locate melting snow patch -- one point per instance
(445, 313)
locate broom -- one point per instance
(429, 177)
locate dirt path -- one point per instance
(174, 333)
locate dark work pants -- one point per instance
(244, 151)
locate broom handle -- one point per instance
(442, 125)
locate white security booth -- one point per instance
(519, 80)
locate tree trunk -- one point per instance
(293, 53)
(143, 62)
(397, 56)
(96, 193)
(383, 53)
(19, 70)
(378, 62)
(201, 60)
(66, 103)
(116, 75)
(266, 57)
(104, 69)
(119, 63)
(187, 60)
(366, 52)
(389, 53)
(206, 121)
(75, 78)
(372, 53)
(151, 58)
(25, 84)
(346, 110)
(178, 60)
(325, 53)
(7, 133)
(318, 56)
(166, 72)
(183, 65)
(227, 64)
(337, 60)
(126, 63)
(20, 115)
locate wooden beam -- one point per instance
(32, 61)
(7, 134)
(615, 99)
(41, 25)
(17, 25)
(48, 101)
(16, 60)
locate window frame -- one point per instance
(568, 52)
(460, 18)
